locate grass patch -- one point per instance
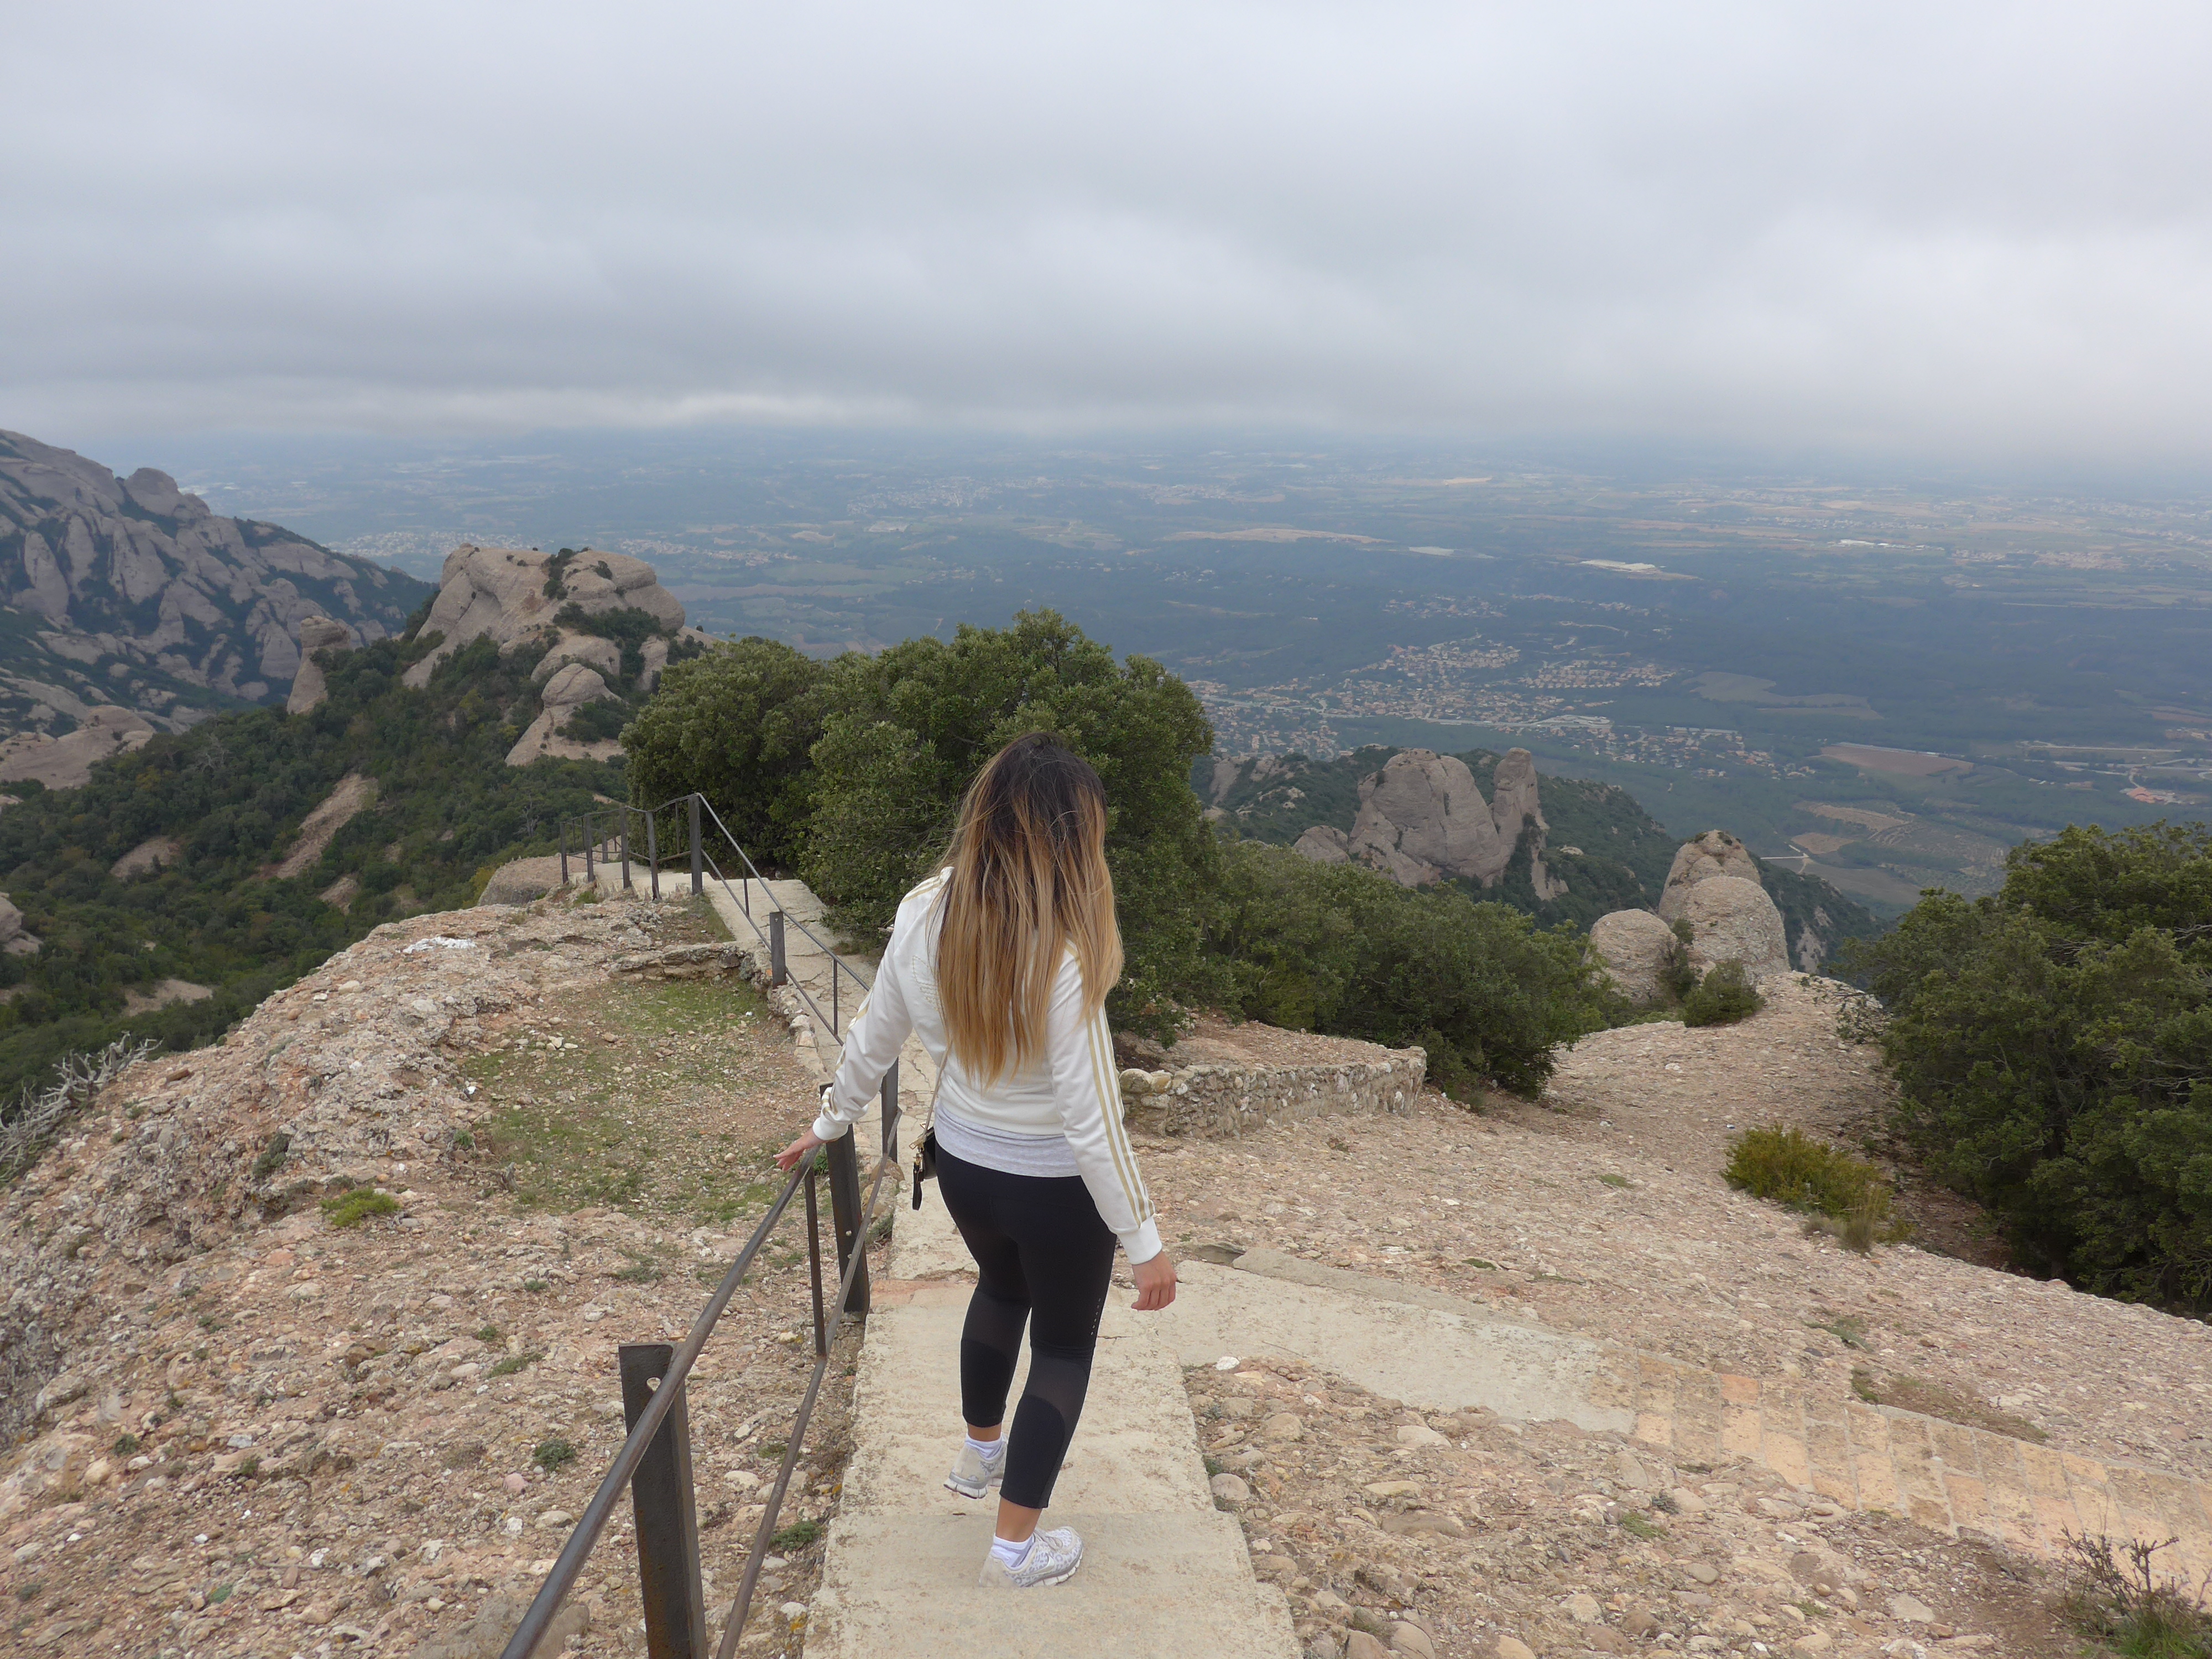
(515, 1362)
(349, 1209)
(1723, 997)
(1849, 1329)
(1849, 1198)
(219, 1595)
(2119, 1598)
(1621, 1181)
(1478, 1263)
(1640, 1526)
(125, 1444)
(591, 1123)
(552, 1453)
(796, 1536)
(534, 1285)
(491, 1333)
(642, 1269)
(1917, 1394)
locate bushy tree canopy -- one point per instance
(2053, 1046)
(905, 731)
(1341, 948)
(737, 725)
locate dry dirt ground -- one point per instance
(277, 1435)
(1602, 1209)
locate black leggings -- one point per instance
(1044, 1257)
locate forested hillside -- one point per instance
(168, 872)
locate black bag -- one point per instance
(924, 1162)
(925, 1151)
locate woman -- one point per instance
(1001, 962)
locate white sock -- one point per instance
(988, 1450)
(1010, 1554)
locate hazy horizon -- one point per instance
(1974, 239)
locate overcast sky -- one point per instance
(1976, 229)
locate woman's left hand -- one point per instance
(804, 1147)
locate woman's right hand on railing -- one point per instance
(799, 1149)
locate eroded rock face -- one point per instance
(1324, 844)
(309, 687)
(1422, 818)
(1732, 918)
(565, 693)
(1715, 852)
(501, 592)
(148, 598)
(13, 939)
(65, 761)
(1635, 946)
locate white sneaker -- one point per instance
(1053, 1558)
(973, 1475)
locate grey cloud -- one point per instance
(1978, 226)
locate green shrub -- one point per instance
(2130, 1608)
(272, 1155)
(1723, 997)
(796, 1536)
(1789, 1167)
(552, 1453)
(737, 725)
(2052, 1047)
(349, 1208)
(1346, 950)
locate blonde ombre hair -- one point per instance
(1028, 880)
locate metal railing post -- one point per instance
(591, 873)
(833, 997)
(850, 1225)
(653, 855)
(890, 1108)
(698, 868)
(776, 976)
(667, 1523)
(564, 852)
(814, 1265)
(622, 842)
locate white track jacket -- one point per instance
(1071, 1091)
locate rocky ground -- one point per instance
(276, 1434)
(245, 1429)
(1502, 1540)
(1602, 1209)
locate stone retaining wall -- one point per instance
(1216, 1101)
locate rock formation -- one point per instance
(1715, 852)
(67, 761)
(564, 693)
(513, 594)
(1732, 918)
(1422, 818)
(13, 939)
(309, 688)
(1636, 948)
(148, 599)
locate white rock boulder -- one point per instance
(1324, 844)
(564, 693)
(309, 687)
(1715, 852)
(1636, 947)
(500, 592)
(1732, 918)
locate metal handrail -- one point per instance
(662, 1413)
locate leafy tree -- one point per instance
(1343, 950)
(903, 733)
(2053, 1047)
(736, 725)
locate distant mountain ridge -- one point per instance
(1596, 838)
(129, 592)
